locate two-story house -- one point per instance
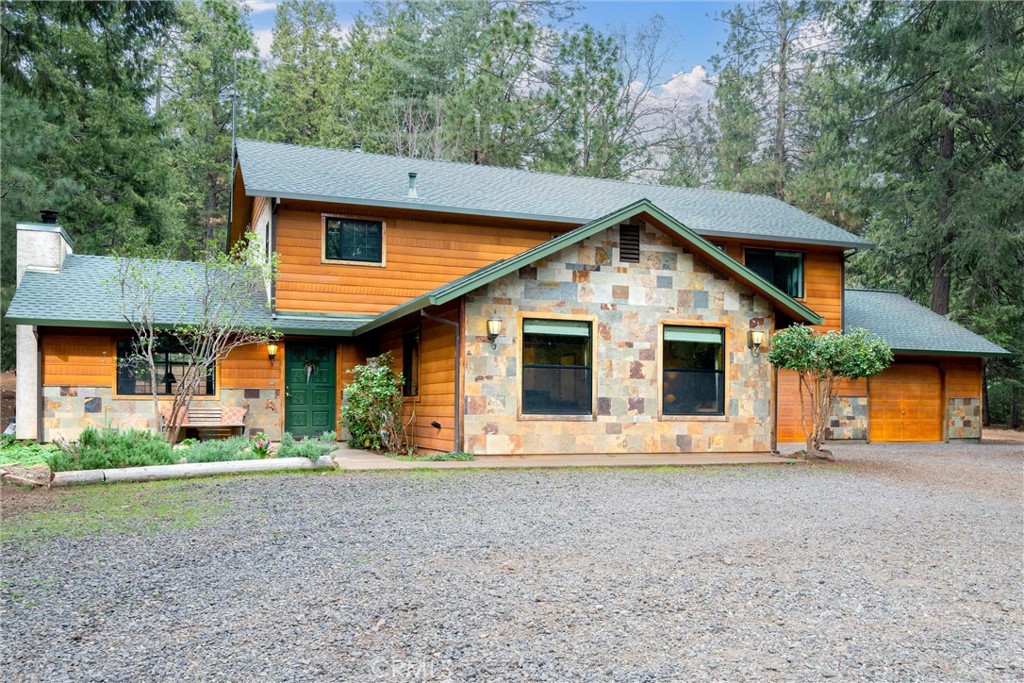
(529, 313)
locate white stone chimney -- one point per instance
(41, 246)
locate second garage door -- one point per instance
(906, 403)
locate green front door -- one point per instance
(309, 389)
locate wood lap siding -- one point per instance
(420, 256)
(963, 377)
(248, 367)
(436, 400)
(78, 360)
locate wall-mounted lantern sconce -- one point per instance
(755, 339)
(272, 351)
(494, 326)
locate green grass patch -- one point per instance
(434, 457)
(112, 509)
(26, 453)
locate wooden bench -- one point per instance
(217, 421)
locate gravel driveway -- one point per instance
(893, 564)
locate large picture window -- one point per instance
(784, 269)
(557, 367)
(693, 368)
(133, 377)
(350, 239)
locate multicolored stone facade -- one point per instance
(628, 303)
(68, 410)
(964, 418)
(849, 419)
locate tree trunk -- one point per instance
(940, 273)
(986, 421)
(780, 109)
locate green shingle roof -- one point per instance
(645, 208)
(84, 294)
(907, 326)
(291, 171)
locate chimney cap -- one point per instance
(357, 146)
(412, 185)
(48, 217)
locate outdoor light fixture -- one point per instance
(272, 351)
(755, 338)
(494, 325)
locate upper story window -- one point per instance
(784, 269)
(171, 360)
(693, 365)
(353, 239)
(557, 367)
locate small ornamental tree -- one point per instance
(372, 411)
(822, 361)
(207, 310)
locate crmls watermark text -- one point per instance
(409, 669)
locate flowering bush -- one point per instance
(260, 445)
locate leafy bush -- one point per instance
(372, 412)
(26, 453)
(219, 450)
(311, 448)
(109, 448)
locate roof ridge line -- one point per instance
(550, 174)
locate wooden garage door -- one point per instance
(906, 403)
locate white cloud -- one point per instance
(260, 6)
(264, 38)
(685, 88)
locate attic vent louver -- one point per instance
(629, 243)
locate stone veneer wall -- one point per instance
(849, 419)
(628, 302)
(68, 410)
(963, 417)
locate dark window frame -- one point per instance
(531, 404)
(776, 278)
(165, 358)
(670, 374)
(377, 259)
(411, 348)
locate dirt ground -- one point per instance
(6, 398)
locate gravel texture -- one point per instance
(893, 564)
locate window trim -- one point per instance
(346, 262)
(726, 346)
(521, 316)
(418, 334)
(774, 250)
(215, 396)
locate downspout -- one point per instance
(458, 359)
(39, 385)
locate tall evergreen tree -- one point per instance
(304, 103)
(209, 56)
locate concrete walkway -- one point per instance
(352, 459)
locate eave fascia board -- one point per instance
(118, 325)
(543, 218)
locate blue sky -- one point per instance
(692, 35)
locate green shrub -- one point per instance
(373, 408)
(109, 448)
(311, 448)
(26, 453)
(219, 450)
